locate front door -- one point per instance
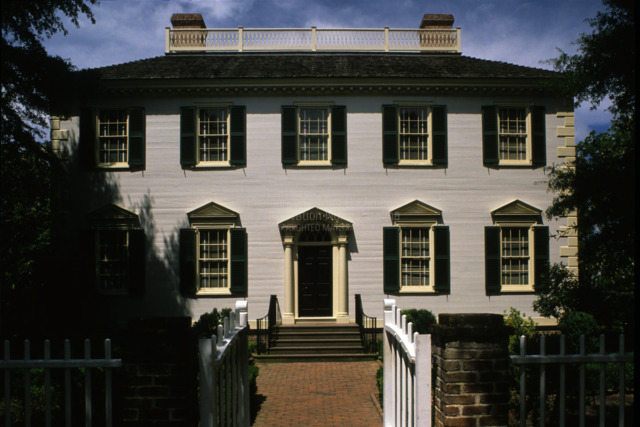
(315, 285)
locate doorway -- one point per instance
(315, 281)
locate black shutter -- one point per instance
(289, 135)
(339, 135)
(136, 138)
(188, 137)
(391, 259)
(540, 253)
(490, 135)
(239, 276)
(238, 136)
(137, 262)
(439, 130)
(88, 141)
(492, 269)
(87, 253)
(538, 137)
(442, 259)
(390, 149)
(188, 261)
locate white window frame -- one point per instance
(213, 163)
(528, 138)
(416, 162)
(209, 290)
(308, 106)
(122, 290)
(98, 136)
(430, 288)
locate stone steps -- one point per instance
(317, 342)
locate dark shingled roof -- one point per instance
(318, 65)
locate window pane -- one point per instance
(415, 257)
(213, 135)
(515, 256)
(314, 134)
(513, 133)
(113, 256)
(414, 133)
(112, 136)
(212, 259)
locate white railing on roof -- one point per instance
(312, 40)
(407, 371)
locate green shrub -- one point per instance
(206, 326)
(519, 325)
(421, 319)
(576, 323)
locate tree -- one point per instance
(32, 81)
(600, 185)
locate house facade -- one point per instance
(236, 168)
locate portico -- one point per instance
(315, 267)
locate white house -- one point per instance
(313, 165)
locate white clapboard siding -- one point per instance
(265, 194)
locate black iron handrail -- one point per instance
(368, 326)
(267, 326)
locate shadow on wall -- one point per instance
(79, 306)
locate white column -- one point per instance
(343, 287)
(288, 317)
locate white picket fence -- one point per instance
(564, 361)
(26, 364)
(224, 372)
(407, 371)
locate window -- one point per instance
(517, 249)
(416, 251)
(513, 136)
(515, 255)
(213, 136)
(213, 253)
(113, 138)
(112, 262)
(117, 251)
(213, 262)
(113, 130)
(414, 135)
(415, 258)
(314, 135)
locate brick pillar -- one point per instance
(159, 373)
(471, 357)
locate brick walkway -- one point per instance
(317, 394)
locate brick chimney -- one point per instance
(434, 21)
(187, 20)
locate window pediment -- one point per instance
(517, 211)
(111, 215)
(416, 212)
(212, 213)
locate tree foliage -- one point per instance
(32, 81)
(605, 64)
(600, 185)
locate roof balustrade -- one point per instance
(312, 40)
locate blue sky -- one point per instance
(516, 31)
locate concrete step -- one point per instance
(299, 349)
(336, 357)
(317, 341)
